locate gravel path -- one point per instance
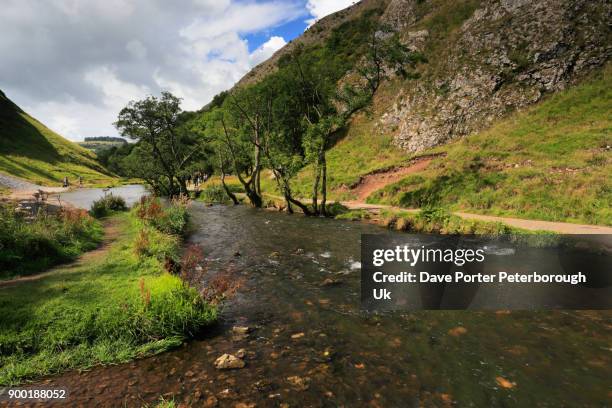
(24, 189)
(17, 184)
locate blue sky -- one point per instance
(287, 31)
(86, 59)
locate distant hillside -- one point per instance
(105, 139)
(101, 143)
(30, 150)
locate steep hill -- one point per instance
(488, 63)
(30, 150)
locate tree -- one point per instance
(165, 146)
(330, 109)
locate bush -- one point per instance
(30, 245)
(336, 209)
(107, 205)
(170, 219)
(214, 194)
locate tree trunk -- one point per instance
(258, 182)
(183, 186)
(254, 198)
(315, 187)
(229, 193)
(324, 184)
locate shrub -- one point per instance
(214, 194)
(106, 205)
(336, 209)
(170, 219)
(32, 244)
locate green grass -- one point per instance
(110, 310)
(31, 246)
(30, 150)
(549, 162)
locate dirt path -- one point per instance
(111, 233)
(375, 181)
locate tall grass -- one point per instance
(107, 205)
(32, 244)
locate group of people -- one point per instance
(197, 179)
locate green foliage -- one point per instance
(30, 150)
(440, 221)
(113, 158)
(167, 149)
(214, 193)
(109, 310)
(28, 246)
(335, 209)
(354, 215)
(107, 205)
(171, 218)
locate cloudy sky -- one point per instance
(73, 64)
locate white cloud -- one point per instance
(116, 92)
(86, 59)
(266, 50)
(242, 18)
(321, 8)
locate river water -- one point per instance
(310, 345)
(83, 198)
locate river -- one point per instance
(84, 197)
(310, 345)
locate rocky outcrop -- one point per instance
(508, 54)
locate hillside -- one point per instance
(30, 150)
(98, 146)
(551, 162)
(527, 80)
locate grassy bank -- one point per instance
(551, 162)
(32, 245)
(435, 221)
(113, 309)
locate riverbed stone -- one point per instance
(299, 383)
(228, 362)
(331, 282)
(241, 330)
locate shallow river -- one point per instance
(83, 198)
(310, 345)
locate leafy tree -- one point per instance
(166, 148)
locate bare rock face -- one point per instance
(507, 55)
